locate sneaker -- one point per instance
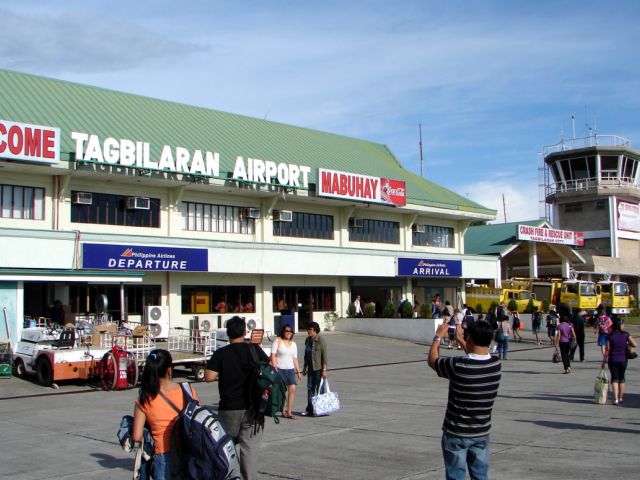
(459, 347)
(615, 402)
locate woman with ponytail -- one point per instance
(152, 409)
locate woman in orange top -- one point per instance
(155, 411)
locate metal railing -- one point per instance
(585, 142)
(585, 184)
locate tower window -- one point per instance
(572, 207)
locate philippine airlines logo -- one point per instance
(422, 263)
(127, 253)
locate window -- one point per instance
(21, 202)
(218, 299)
(378, 231)
(572, 207)
(305, 225)
(202, 217)
(609, 166)
(140, 296)
(309, 298)
(108, 209)
(434, 236)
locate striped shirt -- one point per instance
(473, 386)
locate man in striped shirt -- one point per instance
(473, 386)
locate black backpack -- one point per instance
(201, 449)
(269, 391)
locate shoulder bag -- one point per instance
(326, 401)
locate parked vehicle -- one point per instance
(485, 296)
(614, 296)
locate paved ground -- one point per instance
(546, 425)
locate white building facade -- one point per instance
(120, 202)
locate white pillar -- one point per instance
(566, 267)
(533, 260)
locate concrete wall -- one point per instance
(412, 329)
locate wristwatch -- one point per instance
(437, 339)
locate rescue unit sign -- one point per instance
(34, 143)
(416, 267)
(353, 186)
(135, 257)
(550, 235)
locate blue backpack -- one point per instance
(201, 449)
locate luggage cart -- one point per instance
(192, 348)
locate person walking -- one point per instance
(316, 358)
(536, 324)
(578, 327)
(473, 386)
(358, 305)
(502, 337)
(616, 356)
(552, 325)
(152, 409)
(516, 326)
(564, 334)
(233, 367)
(603, 326)
(284, 358)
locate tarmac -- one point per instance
(546, 424)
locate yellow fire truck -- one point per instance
(614, 296)
(485, 296)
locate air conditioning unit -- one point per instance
(157, 318)
(138, 203)
(251, 213)
(82, 198)
(282, 216)
(419, 228)
(356, 222)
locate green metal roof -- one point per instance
(494, 239)
(74, 107)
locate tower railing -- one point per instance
(585, 142)
(584, 184)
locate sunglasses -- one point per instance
(288, 331)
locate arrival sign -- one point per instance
(419, 267)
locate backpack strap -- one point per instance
(186, 391)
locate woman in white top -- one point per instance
(284, 357)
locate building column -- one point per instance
(566, 267)
(533, 260)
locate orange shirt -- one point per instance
(160, 417)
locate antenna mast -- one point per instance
(504, 209)
(420, 145)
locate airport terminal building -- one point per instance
(128, 204)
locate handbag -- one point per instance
(556, 356)
(630, 353)
(601, 387)
(326, 401)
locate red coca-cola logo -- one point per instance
(393, 191)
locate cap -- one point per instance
(582, 313)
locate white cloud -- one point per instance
(521, 199)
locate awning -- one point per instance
(52, 275)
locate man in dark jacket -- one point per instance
(315, 363)
(578, 327)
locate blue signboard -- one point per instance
(136, 257)
(424, 267)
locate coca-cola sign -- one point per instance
(365, 188)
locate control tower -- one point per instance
(594, 186)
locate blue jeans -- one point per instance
(461, 453)
(503, 348)
(162, 466)
(313, 383)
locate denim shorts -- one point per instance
(602, 339)
(288, 376)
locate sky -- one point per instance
(489, 82)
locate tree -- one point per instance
(529, 308)
(351, 310)
(425, 310)
(406, 310)
(512, 306)
(479, 308)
